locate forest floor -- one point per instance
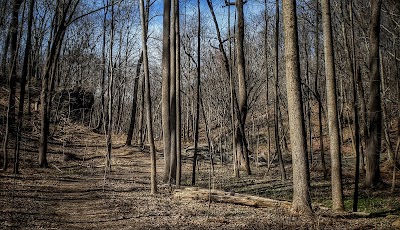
(76, 193)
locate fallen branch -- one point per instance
(229, 197)
(57, 168)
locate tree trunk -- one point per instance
(102, 118)
(228, 71)
(149, 121)
(134, 102)
(166, 90)
(353, 81)
(24, 74)
(242, 92)
(59, 28)
(4, 69)
(267, 78)
(197, 122)
(337, 191)
(319, 98)
(110, 92)
(373, 150)
(178, 96)
(276, 92)
(172, 102)
(301, 195)
(10, 125)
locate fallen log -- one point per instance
(193, 193)
(229, 197)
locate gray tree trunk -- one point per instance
(242, 92)
(165, 109)
(110, 92)
(333, 125)
(149, 120)
(172, 96)
(276, 92)
(301, 195)
(178, 96)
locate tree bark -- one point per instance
(24, 74)
(242, 88)
(134, 101)
(197, 118)
(267, 79)
(59, 28)
(301, 195)
(10, 125)
(333, 125)
(110, 91)
(178, 96)
(149, 121)
(373, 177)
(276, 92)
(172, 102)
(317, 75)
(102, 117)
(166, 90)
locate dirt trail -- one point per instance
(76, 194)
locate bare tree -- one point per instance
(172, 102)
(197, 119)
(149, 120)
(375, 108)
(276, 92)
(63, 16)
(229, 74)
(13, 31)
(24, 74)
(301, 195)
(242, 89)
(110, 91)
(134, 102)
(166, 62)
(317, 91)
(178, 95)
(333, 124)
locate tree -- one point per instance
(110, 91)
(63, 14)
(317, 90)
(166, 73)
(276, 92)
(336, 168)
(197, 119)
(301, 195)
(149, 120)
(228, 72)
(102, 116)
(242, 89)
(375, 108)
(24, 74)
(172, 103)
(13, 31)
(134, 102)
(178, 96)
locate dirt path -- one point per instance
(76, 194)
